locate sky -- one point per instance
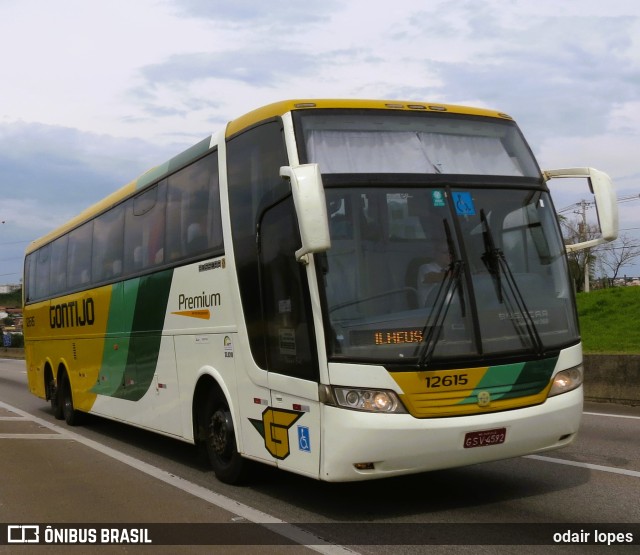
(94, 93)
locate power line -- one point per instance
(621, 200)
(625, 247)
(630, 198)
(16, 242)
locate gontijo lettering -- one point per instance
(72, 314)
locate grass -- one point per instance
(610, 320)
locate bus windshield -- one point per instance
(422, 143)
(464, 262)
(425, 274)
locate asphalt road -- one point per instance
(105, 472)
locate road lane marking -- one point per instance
(612, 415)
(32, 436)
(612, 469)
(290, 531)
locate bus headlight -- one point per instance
(369, 400)
(567, 380)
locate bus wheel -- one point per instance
(220, 441)
(54, 397)
(72, 416)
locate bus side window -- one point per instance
(145, 230)
(42, 272)
(30, 276)
(79, 253)
(194, 224)
(286, 301)
(108, 244)
(58, 278)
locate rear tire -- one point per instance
(54, 398)
(72, 416)
(220, 441)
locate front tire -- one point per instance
(220, 441)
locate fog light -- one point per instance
(363, 466)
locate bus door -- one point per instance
(292, 421)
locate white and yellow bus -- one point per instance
(342, 289)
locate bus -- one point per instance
(343, 289)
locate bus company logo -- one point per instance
(197, 306)
(72, 314)
(274, 429)
(484, 399)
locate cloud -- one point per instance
(49, 173)
(49, 162)
(553, 73)
(275, 13)
(207, 89)
(568, 72)
(252, 67)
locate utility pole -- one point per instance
(582, 232)
(583, 206)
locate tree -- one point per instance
(613, 256)
(582, 262)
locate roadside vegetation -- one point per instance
(610, 320)
(11, 300)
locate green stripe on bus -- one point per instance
(117, 342)
(135, 327)
(510, 381)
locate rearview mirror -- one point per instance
(311, 208)
(605, 199)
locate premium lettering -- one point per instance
(72, 314)
(198, 301)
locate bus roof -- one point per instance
(237, 125)
(280, 108)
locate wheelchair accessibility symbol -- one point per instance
(304, 443)
(464, 204)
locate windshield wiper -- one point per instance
(497, 266)
(433, 327)
(444, 297)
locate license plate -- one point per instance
(485, 438)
